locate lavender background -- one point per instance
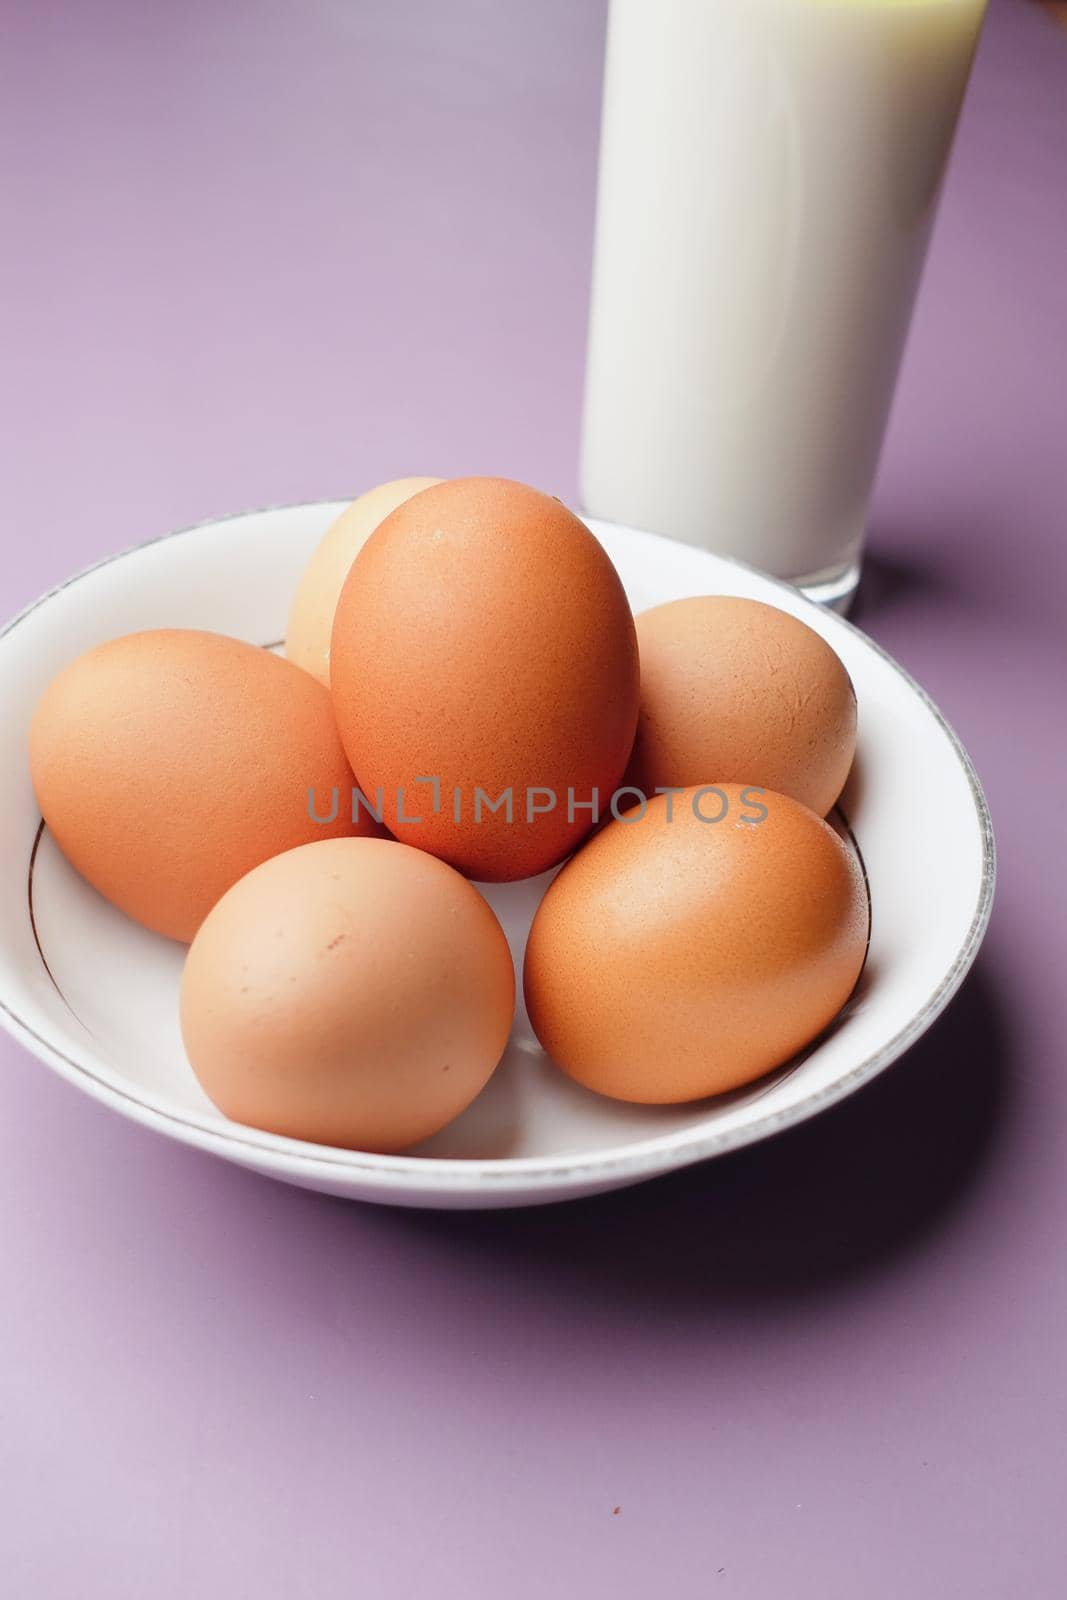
(263, 251)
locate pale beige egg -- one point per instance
(353, 992)
(311, 617)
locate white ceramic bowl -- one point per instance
(95, 996)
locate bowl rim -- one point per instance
(645, 1157)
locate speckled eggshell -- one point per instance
(736, 691)
(354, 992)
(169, 763)
(483, 639)
(673, 959)
(307, 641)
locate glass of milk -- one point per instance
(769, 174)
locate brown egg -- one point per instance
(735, 691)
(353, 992)
(483, 642)
(695, 945)
(307, 642)
(169, 763)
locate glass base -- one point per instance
(834, 590)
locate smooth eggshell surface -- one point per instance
(736, 691)
(483, 641)
(354, 992)
(307, 640)
(675, 957)
(169, 763)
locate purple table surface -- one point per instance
(267, 251)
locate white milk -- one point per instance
(769, 171)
